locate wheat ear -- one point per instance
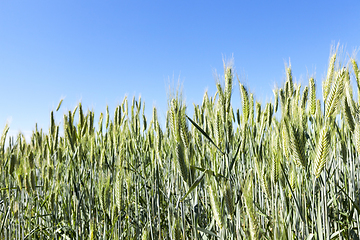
(322, 151)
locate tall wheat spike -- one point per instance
(184, 129)
(297, 94)
(349, 98)
(105, 196)
(329, 77)
(52, 123)
(228, 87)
(245, 102)
(287, 91)
(158, 140)
(222, 100)
(3, 139)
(348, 115)
(27, 184)
(264, 182)
(180, 155)
(303, 121)
(322, 151)
(335, 94)
(218, 128)
(33, 179)
(205, 100)
(283, 100)
(356, 71)
(251, 114)
(296, 146)
(318, 112)
(290, 80)
(304, 97)
(285, 139)
(276, 99)
(258, 112)
(312, 97)
(275, 165)
(288, 107)
(12, 163)
(229, 128)
(175, 118)
(357, 75)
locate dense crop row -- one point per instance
(288, 169)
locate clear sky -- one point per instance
(97, 52)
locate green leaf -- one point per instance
(355, 205)
(207, 232)
(194, 185)
(204, 133)
(234, 158)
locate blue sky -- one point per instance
(97, 52)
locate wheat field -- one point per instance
(287, 169)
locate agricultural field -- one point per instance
(287, 169)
